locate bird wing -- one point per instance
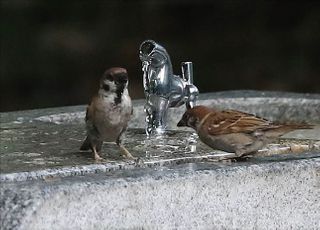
(232, 121)
(90, 109)
(90, 124)
(87, 114)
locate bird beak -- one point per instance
(181, 123)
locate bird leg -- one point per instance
(125, 152)
(96, 155)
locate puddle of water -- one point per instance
(40, 145)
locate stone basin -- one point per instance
(47, 183)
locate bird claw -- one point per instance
(98, 159)
(126, 153)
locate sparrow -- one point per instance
(234, 131)
(109, 112)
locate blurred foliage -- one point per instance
(53, 52)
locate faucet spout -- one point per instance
(162, 88)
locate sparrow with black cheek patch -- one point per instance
(109, 112)
(234, 131)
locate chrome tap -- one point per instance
(162, 88)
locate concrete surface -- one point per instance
(277, 195)
(176, 183)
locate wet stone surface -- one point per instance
(36, 146)
(45, 143)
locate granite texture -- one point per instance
(282, 106)
(277, 195)
(38, 144)
(176, 182)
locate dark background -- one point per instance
(53, 52)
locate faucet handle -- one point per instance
(191, 90)
(187, 72)
(192, 95)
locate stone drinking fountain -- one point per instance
(178, 182)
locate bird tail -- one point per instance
(291, 127)
(286, 128)
(86, 145)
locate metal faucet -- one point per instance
(162, 88)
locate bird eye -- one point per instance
(106, 87)
(109, 77)
(192, 121)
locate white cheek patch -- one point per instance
(111, 85)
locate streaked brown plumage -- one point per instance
(234, 131)
(109, 112)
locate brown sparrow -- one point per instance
(234, 131)
(109, 112)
